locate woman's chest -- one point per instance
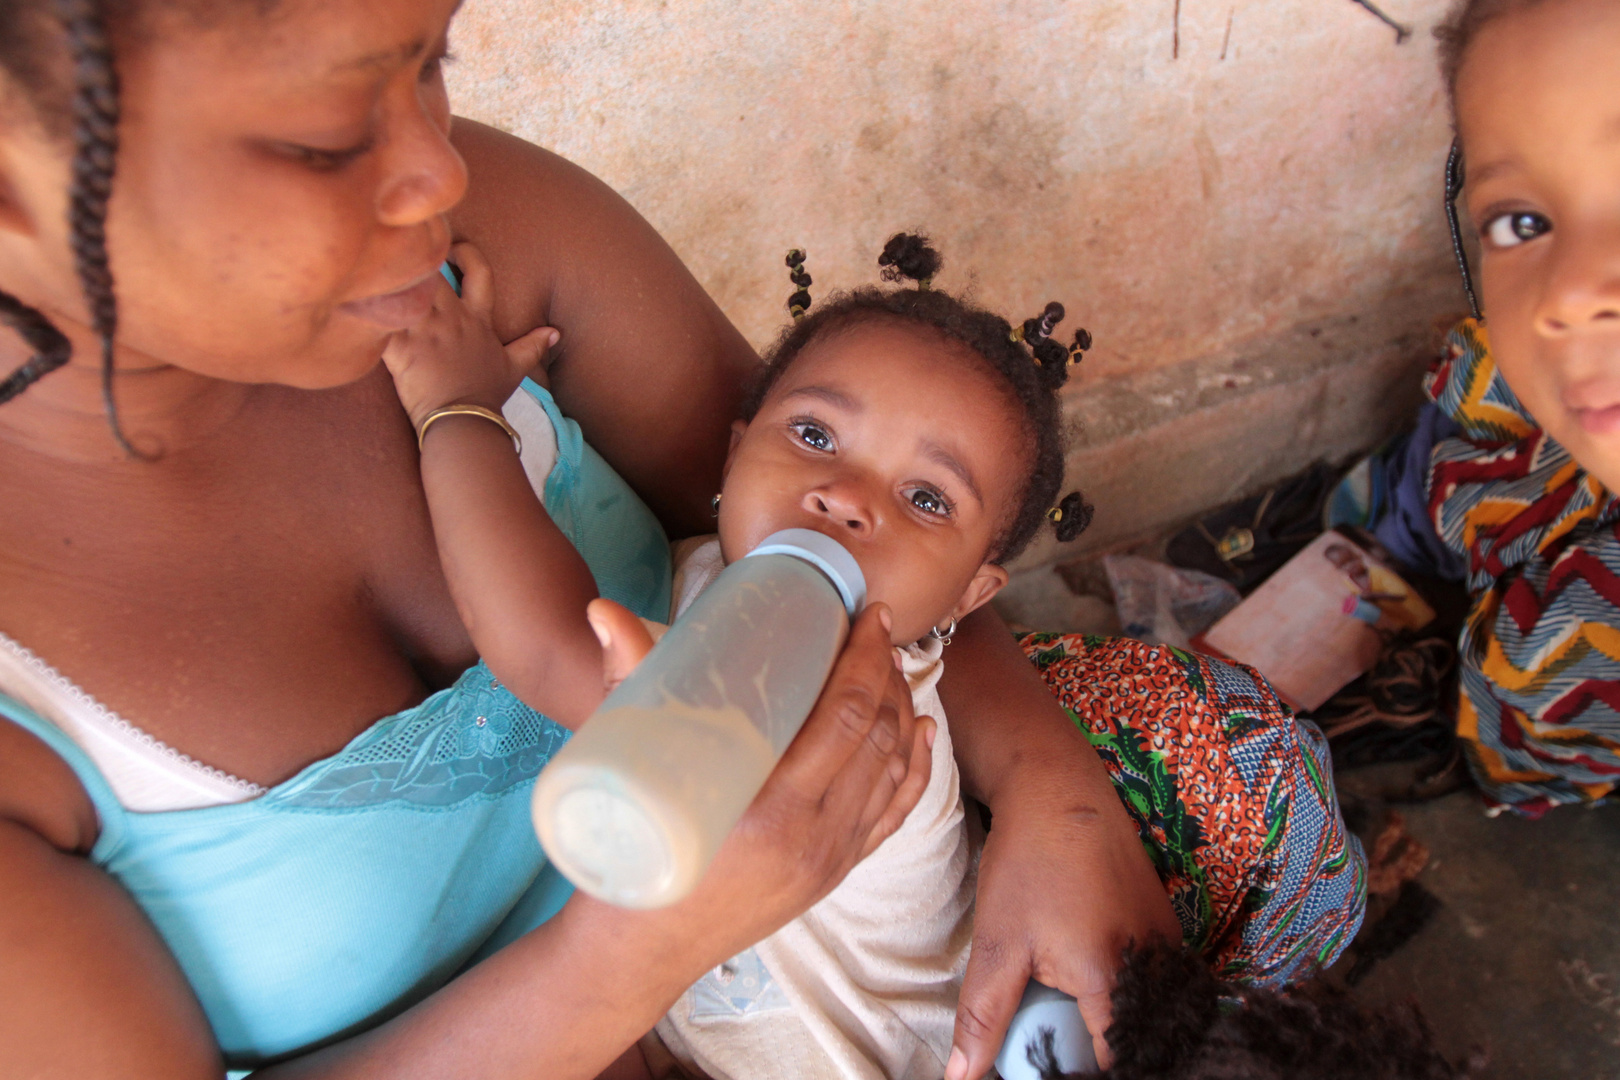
(254, 615)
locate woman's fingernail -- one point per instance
(886, 617)
(928, 735)
(553, 337)
(956, 1068)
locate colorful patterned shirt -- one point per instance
(1540, 651)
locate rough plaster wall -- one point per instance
(1202, 182)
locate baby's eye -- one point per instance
(1511, 230)
(812, 435)
(930, 501)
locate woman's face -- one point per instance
(1538, 110)
(281, 189)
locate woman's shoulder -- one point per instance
(535, 215)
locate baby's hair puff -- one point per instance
(1032, 365)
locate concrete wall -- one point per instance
(1240, 198)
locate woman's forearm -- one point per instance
(561, 1003)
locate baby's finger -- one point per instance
(528, 353)
(889, 815)
(855, 694)
(477, 280)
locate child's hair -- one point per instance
(1030, 363)
(1462, 26)
(1175, 1020)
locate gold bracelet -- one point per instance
(467, 410)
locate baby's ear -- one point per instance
(987, 581)
(737, 429)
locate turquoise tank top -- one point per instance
(365, 882)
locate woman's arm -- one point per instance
(1063, 883)
(90, 990)
(88, 986)
(648, 365)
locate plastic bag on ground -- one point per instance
(1166, 605)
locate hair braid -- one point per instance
(51, 347)
(95, 158)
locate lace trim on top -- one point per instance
(75, 711)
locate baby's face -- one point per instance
(896, 443)
(1538, 110)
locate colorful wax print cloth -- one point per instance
(1539, 655)
(1231, 793)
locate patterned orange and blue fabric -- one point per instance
(1540, 650)
(1232, 796)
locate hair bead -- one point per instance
(799, 302)
(1071, 517)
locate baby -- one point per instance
(1525, 489)
(920, 432)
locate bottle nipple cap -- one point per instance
(825, 554)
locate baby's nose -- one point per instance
(841, 505)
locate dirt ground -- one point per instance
(1523, 959)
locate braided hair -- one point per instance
(1031, 364)
(93, 117)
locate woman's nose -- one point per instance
(843, 505)
(426, 177)
(1583, 285)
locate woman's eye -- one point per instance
(1511, 230)
(326, 160)
(930, 502)
(432, 68)
(816, 438)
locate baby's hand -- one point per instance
(453, 356)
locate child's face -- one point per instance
(897, 444)
(1538, 110)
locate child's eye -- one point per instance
(812, 435)
(1511, 230)
(930, 501)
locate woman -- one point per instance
(254, 583)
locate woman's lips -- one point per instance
(1604, 421)
(397, 310)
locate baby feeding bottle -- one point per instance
(634, 808)
(1044, 1010)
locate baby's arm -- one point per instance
(518, 582)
